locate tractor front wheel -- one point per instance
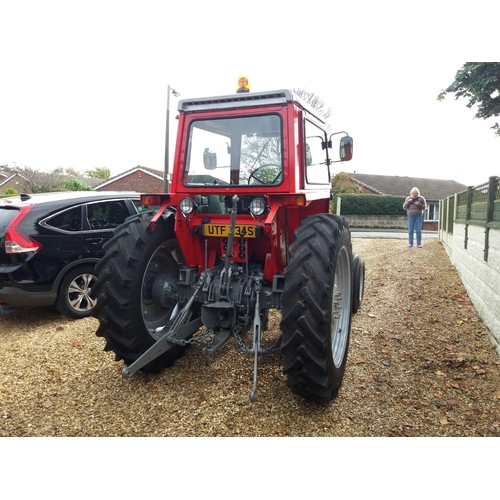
(316, 307)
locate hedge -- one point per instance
(369, 204)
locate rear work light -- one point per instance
(15, 240)
(152, 200)
(294, 200)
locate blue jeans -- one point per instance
(415, 224)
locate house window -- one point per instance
(431, 212)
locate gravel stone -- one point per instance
(418, 366)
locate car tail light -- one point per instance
(15, 240)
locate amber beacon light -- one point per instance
(243, 85)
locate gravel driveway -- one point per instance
(419, 365)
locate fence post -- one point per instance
(440, 219)
(490, 200)
(467, 214)
(339, 201)
(447, 218)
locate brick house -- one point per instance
(432, 190)
(17, 181)
(139, 179)
(12, 180)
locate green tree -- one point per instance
(479, 82)
(75, 185)
(98, 173)
(342, 184)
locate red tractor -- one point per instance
(245, 228)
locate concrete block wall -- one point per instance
(378, 222)
(481, 278)
(385, 222)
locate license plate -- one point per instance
(222, 230)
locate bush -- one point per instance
(11, 192)
(75, 185)
(370, 204)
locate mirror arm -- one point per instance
(336, 133)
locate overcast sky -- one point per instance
(84, 84)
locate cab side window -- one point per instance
(317, 171)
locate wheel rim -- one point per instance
(80, 293)
(341, 307)
(155, 313)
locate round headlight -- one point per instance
(257, 206)
(186, 206)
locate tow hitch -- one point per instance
(219, 316)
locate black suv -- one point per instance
(50, 242)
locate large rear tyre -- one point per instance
(130, 313)
(316, 307)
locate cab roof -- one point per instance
(244, 100)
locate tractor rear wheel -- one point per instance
(130, 313)
(316, 307)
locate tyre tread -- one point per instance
(306, 307)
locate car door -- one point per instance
(60, 236)
(101, 218)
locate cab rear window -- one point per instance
(237, 151)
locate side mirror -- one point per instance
(209, 159)
(346, 145)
